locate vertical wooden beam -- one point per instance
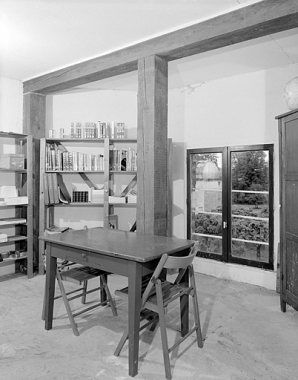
(152, 145)
(34, 117)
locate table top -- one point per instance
(127, 245)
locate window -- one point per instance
(230, 203)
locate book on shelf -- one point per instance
(13, 201)
(8, 192)
(12, 221)
(113, 221)
(55, 190)
(51, 189)
(123, 159)
(115, 199)
(3, 238)
(55, 230)
(97, 195)
(132, 196)
(58, 158)
(46, 189)
(55, 187)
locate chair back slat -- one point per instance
(174, 262)
(156, 274)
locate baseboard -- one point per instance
(235, 272)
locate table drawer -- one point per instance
(95, 260)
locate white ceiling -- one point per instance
(41, 36)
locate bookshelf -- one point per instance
(16, 209)
(83, 176)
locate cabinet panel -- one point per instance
(288, 165)
(291, 274)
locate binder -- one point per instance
(51, 188)
(55, 188)
(46, 189)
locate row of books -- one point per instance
(91, 130)
(123, 159)
(59, 159)
(55, 190)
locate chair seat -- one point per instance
(78, 275)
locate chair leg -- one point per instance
(85, 284)
(109, 296)
(43, 304)
(122, 342)
(163, 331)
(65, 300)
(196, 310)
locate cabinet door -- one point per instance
(289, 210)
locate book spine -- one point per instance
(55, 188)
(45, 189)
(51, 189)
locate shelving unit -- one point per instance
(16, 219)
(107, 179)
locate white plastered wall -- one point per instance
(11, 105)
(238, 110)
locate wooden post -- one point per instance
(34, 124)
(152, 145)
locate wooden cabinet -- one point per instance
(16, 209)
(288, 167)
(93, 173)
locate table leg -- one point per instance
(50, 287)
(134, 309)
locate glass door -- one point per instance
(206, 185)
(230, 203)
(250, 205)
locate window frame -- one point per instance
(226, 152)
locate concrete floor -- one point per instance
(246, 337)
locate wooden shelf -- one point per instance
(76, 204)
(11, 239)
(12, 261)
(76, 171)
(14, 170)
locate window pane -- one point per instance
(206, 201)
(250, 205)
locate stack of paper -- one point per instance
(3, 238)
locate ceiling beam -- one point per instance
(257, 20)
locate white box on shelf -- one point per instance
(8, 192)
(97, 196)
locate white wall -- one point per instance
(238, 110)
(11, 105)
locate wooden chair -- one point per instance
(158, 293)
(80, 275)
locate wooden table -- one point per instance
(130, 254)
